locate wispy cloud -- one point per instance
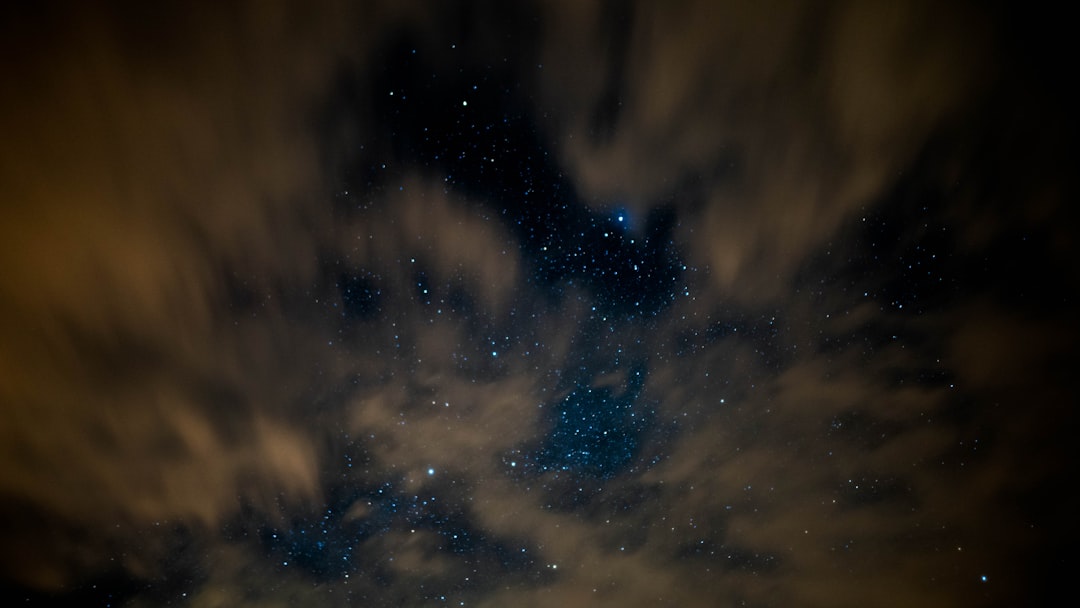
(270, 336)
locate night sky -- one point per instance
(537, 304)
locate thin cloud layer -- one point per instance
(577, 304)
(768, 125)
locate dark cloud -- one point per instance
(558, 304)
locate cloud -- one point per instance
(264, 344)
(767, 126)
(149, 160)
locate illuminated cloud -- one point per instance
(568, 304)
